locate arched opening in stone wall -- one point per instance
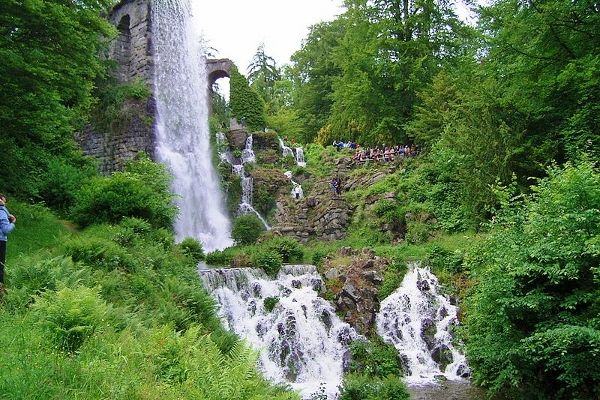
(123, 48)
(219, 93)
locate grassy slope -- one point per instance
(129, 320)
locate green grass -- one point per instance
(36, 228)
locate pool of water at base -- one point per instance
(449, 390)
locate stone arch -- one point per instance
(217, 69)
(122, 49)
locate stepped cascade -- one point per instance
(237, 166)
(301, 340)
(247, 188)
(285, 150)
(300, 157)
(182, 141)
(297, 191)
(416, 319)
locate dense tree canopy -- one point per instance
(48, 62)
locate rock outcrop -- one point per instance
(353, 278)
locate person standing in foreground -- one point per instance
(7, 224)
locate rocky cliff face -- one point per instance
(353, 278)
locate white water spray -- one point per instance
(297, 191)
(182, 142)
(416, 319)
(300, 157)
(248, 154)
(285, 150)
(301, 340)
(247, 189)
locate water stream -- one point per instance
(418, 320)
(300, 157)
(301, 340)
(182, 132)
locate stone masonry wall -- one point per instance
(132, 50)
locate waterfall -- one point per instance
(248, 154)
(417, 320)
(297, 191)
(286, 151)
(182, 132)
(300, 157)
(301, 341)
(247, 188)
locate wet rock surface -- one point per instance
(354, 277)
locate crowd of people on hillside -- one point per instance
(383, 153)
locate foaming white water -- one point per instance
(301, 340)
(297, 191)
(300, 157)
(248, 154)
(182, 142)
(285, 150)
(417, 319)
(247, 183)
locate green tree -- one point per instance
(313, 72)
(534, 318)
(548, 55)
(48, 62)
(390, 51)
(263, 74)
(245, 103)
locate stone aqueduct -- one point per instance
(133, 51)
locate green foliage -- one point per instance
(289, 249)
(72, 315)
(392, 279)
(442, 259)
(246, 104)
(99, 253)
(533, 321)
(270, 303)
(268, 260)
(140, 191)
(364, 387)
(48, 63)
(246, 229)
(263, 200)
(118, 104)
(375, 358)
(192, 248)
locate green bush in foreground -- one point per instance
(141, 191)
(364, 387)
(533, 321)
(246, 229)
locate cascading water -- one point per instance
(300, 157)
(416, 319)
(297, 191)
(285, 150)
(248, 154)
(301, 340)
(182, 142)
(247, 188)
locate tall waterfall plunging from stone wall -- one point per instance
(300, 338)
(182, 141)
(417, 320)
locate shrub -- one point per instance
(99, 253)
(270, 303)
(289, 249)
(192, 248)
(532, 319)
(72, 315)
(246, 229)
(140, 191)
(442, 259)
(270, 261)
(365, 387)
(375, 358)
